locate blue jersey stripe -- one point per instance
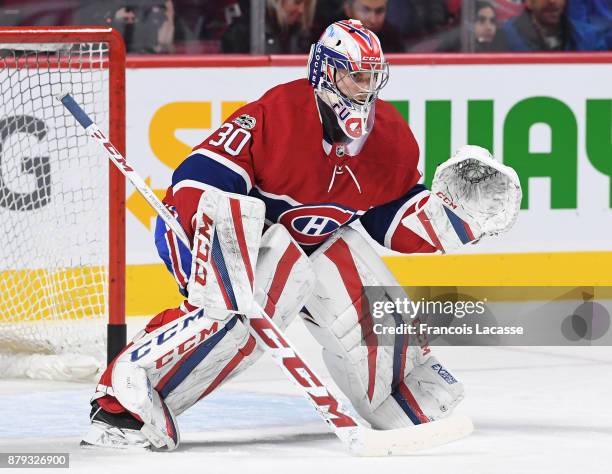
(164, 252)
(199, 167)
(274, 207)
(378, 219)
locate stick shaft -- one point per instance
(121, 163)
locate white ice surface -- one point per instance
(536, 410)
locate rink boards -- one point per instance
(548, 116)
(528, 109)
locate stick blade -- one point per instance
(406, 441)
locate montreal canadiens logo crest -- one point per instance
(312, 225)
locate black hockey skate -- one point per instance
(114, 430)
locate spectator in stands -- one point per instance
(541, 27)
(483, 32)
(288, 28)
(591, 22)
(485, 23)
(373, 14)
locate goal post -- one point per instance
(62, 203)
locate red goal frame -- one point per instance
(116, 332)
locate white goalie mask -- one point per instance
(347, 69)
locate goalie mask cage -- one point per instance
(62, 213)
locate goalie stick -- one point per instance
(359, 439)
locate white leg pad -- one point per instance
(133, 389)
(284, 279)
(224, 254)
(391, 385)
(162, 430)
(188, 358)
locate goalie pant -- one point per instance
(390, 386)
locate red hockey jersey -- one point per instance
(273, 149)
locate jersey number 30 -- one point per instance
(233, 140)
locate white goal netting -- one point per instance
(54, 217)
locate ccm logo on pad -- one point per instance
(163, 337)
(446, 200)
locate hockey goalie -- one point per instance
(267, 201)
